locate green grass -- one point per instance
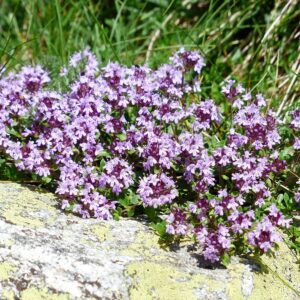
(256, 41)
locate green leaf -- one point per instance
(280, 198)
(122, 136)
(116, 215)
(102, 164)
(225, 177)
(174, 167)
(151, 213)
(69, 208)
(134, 199)
(130, 199)
(2, 162)
(35, 177)
(130, 212)
(160, 228)
(286, 153)
(286, 197)
(125, 202)
(104, 154)
(269, 182)
(46, 180)
(236, 56)
(14, 132)
(225, 259)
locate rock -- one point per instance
(47, 254)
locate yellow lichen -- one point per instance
(25, 207)
(8, 242)
(5, 270)
(158, 281)
(7, 295)
(100, 231)
(283, 266)
(234, 287)
(154, 279)
(34, 293)
(146, 244)
(263, 284)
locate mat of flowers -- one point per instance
(124, 140)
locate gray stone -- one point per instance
(47, 254)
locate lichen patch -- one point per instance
(283, 267)
(146, 245)
(159, 281)
(7, 295)
(6, 270)
(100, 231)
(26, 208)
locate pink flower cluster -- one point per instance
(107, 131)
(295, 125)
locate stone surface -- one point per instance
(46, 254)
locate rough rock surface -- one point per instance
(46, 254)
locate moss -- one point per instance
(5, 270)
(158, 281)
(41, 294)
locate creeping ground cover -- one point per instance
(123, 141)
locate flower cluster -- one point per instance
(295, 125)
(156, 190)
(115, 131)
(117, 175)
(215, 242)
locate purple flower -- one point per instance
(161, 149)
(297, 144)
(201, 172)
(204, 114)
(264, 236)
(33, 78)
(241, 221)
(177, 222)
(190, 144)
(295, 123)
(259, 129)
(276, 217)
(156, 190)
(214, 242)
(118, 175)
(119, 127)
